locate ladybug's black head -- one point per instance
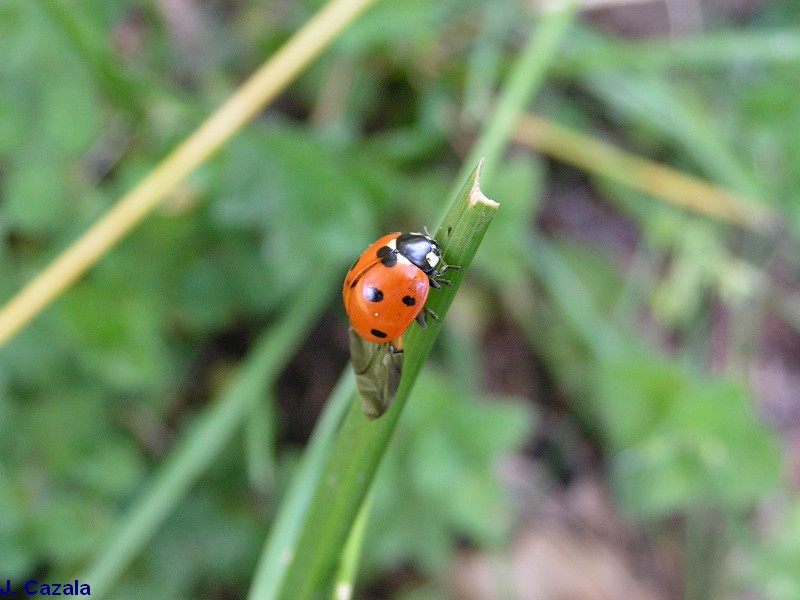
(421, 250)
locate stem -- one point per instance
(351, 555)
(294, 506)
(361, 444)
(647, 176)
(703, 549)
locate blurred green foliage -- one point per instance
(94, 393)
(775, 559)
(439, 481)
(683, 442)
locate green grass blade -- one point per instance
(679, 115)
(591, 52)
(351, 555)
(575, 303)
(361, 444)
(259, 444)
(289, 520)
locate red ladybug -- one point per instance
(388, 285)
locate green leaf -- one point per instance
(34, 198)
(13, 118)
(683, 441)
(123, 345)
(202, 443)
(635, 396)
(70, 114)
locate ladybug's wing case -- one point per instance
(385, 300)
(366, 261)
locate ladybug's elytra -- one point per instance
(388, 285)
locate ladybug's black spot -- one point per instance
(388, 256)
(409, 301)
(378, 333)
(372, 294)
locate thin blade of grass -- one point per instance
(283, 535)
(361, 443)
(591, 52)
(575, 303)
(259, 443)
(680, 116)
(351, 555)
(660, 181)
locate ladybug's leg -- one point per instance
(422, 317)
(436, 277)
(437, 281)
(447, 268)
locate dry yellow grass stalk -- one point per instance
(260, 89)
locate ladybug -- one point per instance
(386, 288)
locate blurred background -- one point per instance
(612, 409)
